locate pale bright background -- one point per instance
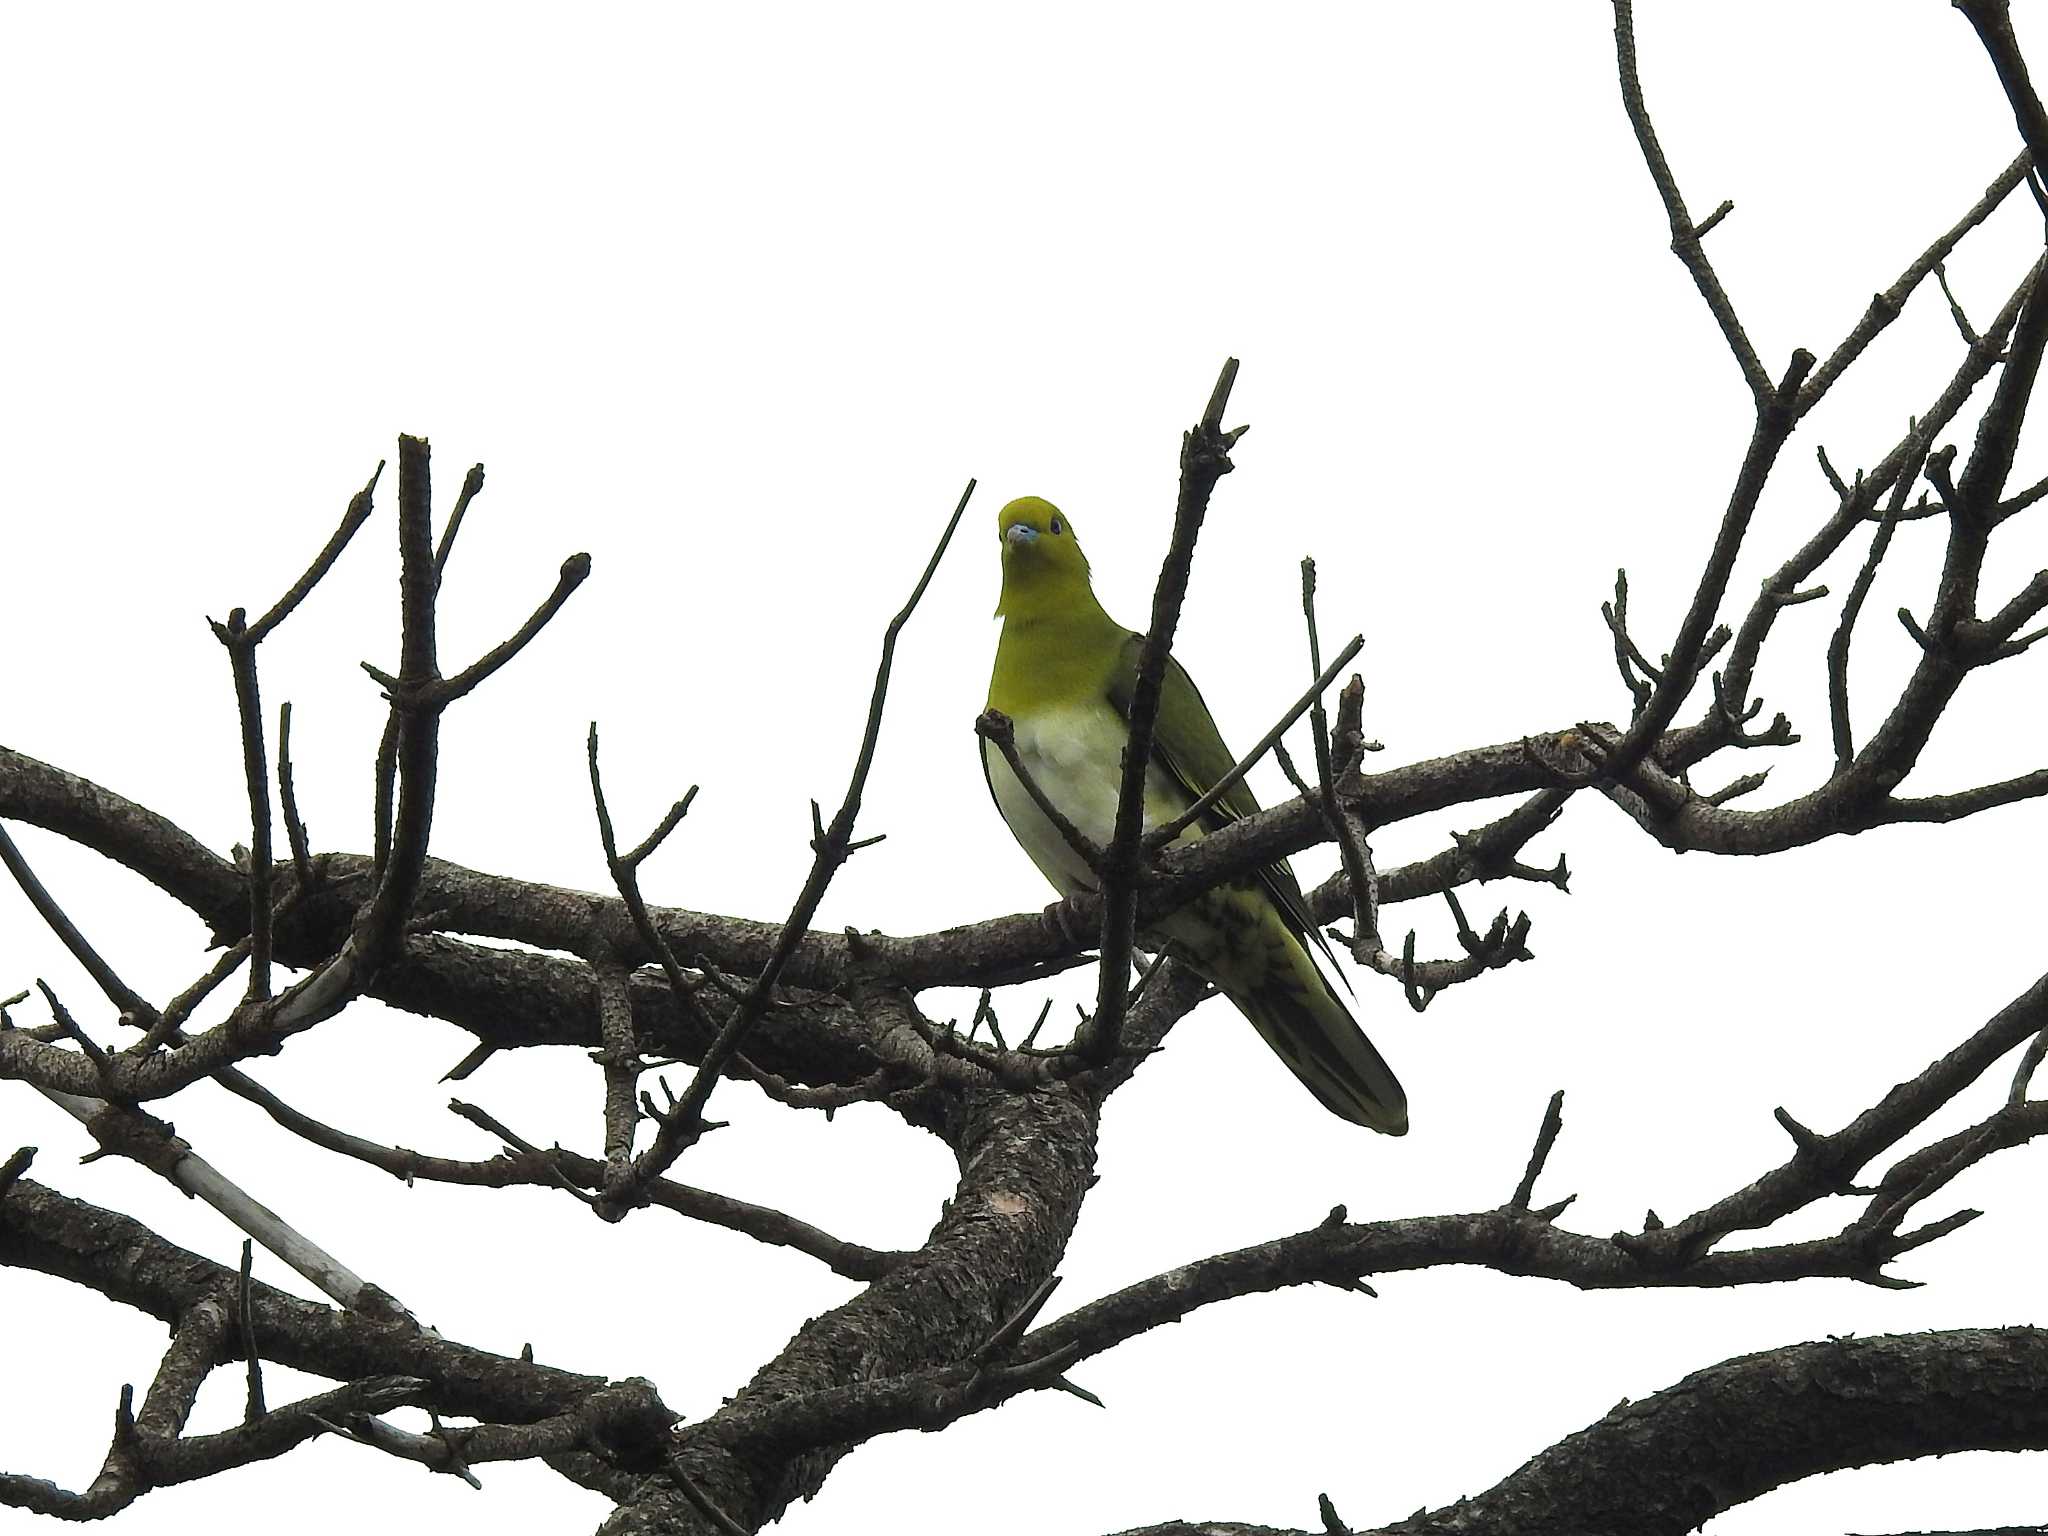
(736, 299)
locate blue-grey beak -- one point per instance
(1020, 534)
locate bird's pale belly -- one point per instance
(1075, 755)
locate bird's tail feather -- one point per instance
(1310, 1029)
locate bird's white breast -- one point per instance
(1074, 753)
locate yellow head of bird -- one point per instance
(1042, 561)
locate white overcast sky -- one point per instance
(736, 298)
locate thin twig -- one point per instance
(241, 648)
(1166, 832)
(550, 1163)
(682, 1124)
(1955, 309)
(1689, 651)
(250, 1352)
(574, 572)
(240, 638)
(1858, 504)
(386, 791)
(701, 1501)
(1546, 1138)
(672, 819)
(1626, 654)
(1000, 731)
(625, 872)
(530, 1165)
(357, 513)
(1845, 626)
(1885, 307)
(170, 1025)
(102, 1062)
(288, 796)
(118, 992)
(1685, 234)
(1204, 459)
(1346, 825)
(2030, 1062)
(472, 483)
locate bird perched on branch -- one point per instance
(1065, 673)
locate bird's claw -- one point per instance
(1058, 918)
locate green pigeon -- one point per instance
(1064, 673)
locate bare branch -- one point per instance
(1504, 942)
(681, 1125)
(1204, 459)
(1858, 504)
(847, 1415)
(357, 513)
(416, 719)
(671, 819)
(1546, 1138)
(530, 1166)
(134, 1465)
(1955, 309)
(245, 1315)
(1685, 234)
(575, 571)
(1166, 832)
(1628, 659)
(124, 997)
(625, 872)
(1885, 307)
(1993, 21)
(256, 778)
(472, 483)
(621, 1061)
(1774, 422)
(1723, 1436)
(288, 799)
(143, 1139)
(1000, 732)
(240, 638)
(1845, 627)
(1825, 1164)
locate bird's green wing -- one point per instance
(1188, 746)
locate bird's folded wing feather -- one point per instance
(1187, 744)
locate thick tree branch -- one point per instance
(1026, 1161)
(138, 1462)
(1722, 1436)
(529, 999)
(1993, 21)
(124, 1261)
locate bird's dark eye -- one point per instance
(1057, 526)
